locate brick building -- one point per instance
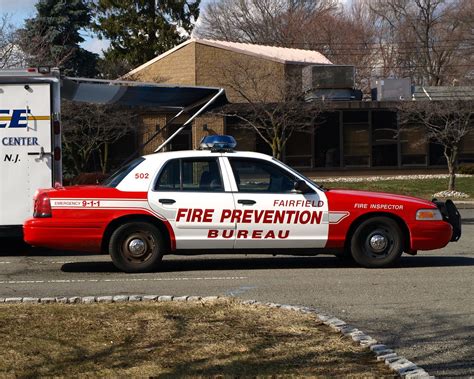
(354, 134)
(213, 64)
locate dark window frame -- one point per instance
(181, 189)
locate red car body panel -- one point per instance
(83, 228)
(423, 235)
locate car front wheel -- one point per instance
(136, 247)
(377, 242)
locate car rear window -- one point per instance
(115, 179)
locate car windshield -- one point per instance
(115, 179)
(299, 174)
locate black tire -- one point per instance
(148, 243)
(377, 242)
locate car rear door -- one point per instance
(192, 194)
(270, 213)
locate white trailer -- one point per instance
(30, 142)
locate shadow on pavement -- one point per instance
(16, 247)
(264, 263)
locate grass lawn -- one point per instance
(424, 188)
(174, 339)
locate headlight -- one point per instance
(429, 215)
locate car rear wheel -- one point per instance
(377, 242)
(136, 247)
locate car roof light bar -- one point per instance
(218, 143)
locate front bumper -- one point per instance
(452, 216)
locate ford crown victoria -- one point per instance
(220, 200)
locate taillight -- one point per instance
(56, 127)
(57, 153)
(42, 206)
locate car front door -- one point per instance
(192, 193)
(270, 213)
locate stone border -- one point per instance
(398, 364)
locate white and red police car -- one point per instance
(220, 200)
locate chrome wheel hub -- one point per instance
(136, 247)
(378, 242)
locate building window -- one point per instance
(466, 154)
(299, 149)
(384, 139)
(436, 155)
(327, 141)
(356, 138)
(413, 146)
(182, 141)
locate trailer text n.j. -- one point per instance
(30, 140)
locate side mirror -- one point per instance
(302, 186)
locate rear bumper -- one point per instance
(53, 235)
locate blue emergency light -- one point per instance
(218, 143)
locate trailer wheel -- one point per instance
(136, 247)
(377, 242)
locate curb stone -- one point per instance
(400, 365)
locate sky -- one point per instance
(20, 10)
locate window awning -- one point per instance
(177, 99)
(159, 96)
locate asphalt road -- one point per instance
(424, 308)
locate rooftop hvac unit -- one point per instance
(334, 95)
(328, 77)
(391, 89)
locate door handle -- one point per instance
(246, 202)
(41, 153)
(167, 201)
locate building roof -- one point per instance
(273, 53)
(443, 93)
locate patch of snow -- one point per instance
(451, 194)
(355, 179)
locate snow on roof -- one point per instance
(277, 54)
(444, 93)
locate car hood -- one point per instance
(355, 195)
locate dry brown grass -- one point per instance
(173, 339)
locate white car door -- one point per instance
(270, 213)
(192, 194)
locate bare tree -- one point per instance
(90, 129)
(11, 56)
(346, 35)
(273, 109)
(272, 22)
(445, 123)
(430, 38)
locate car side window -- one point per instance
(253, 175)
(191, 174)
(169, 178)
